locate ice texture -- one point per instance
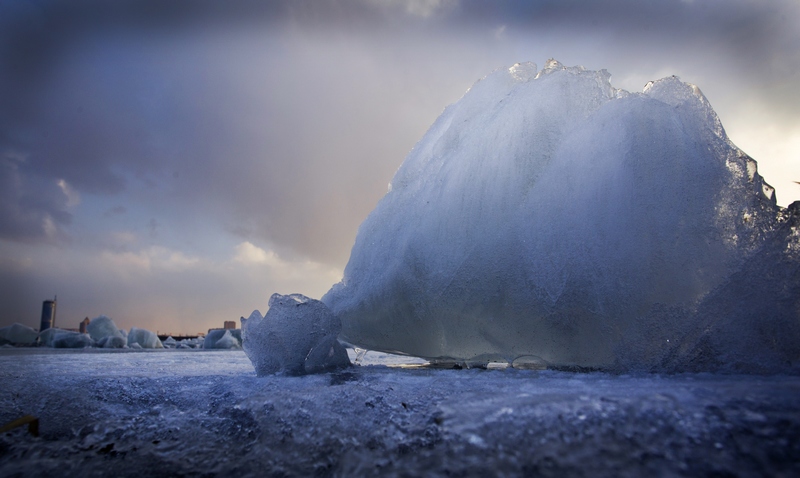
(549, 215)
(144, 339)
(222, 339)
(101, 328)
(47, 336)
(297, 336)
(112, 342)
(66, 339)
(17, 334)
(189, 414)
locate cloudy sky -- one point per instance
(171, 164)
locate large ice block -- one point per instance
(548, 214)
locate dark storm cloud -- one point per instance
(283, 121)
(161, 135)
(31, 209)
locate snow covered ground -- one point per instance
(205, 413)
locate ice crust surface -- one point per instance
(164, 412)
(298, 335)
(549, 215)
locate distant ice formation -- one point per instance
(223, 339)
(105, 333)
(550, 216)
(141, 338)
(17, 334)
(297, 336)
(67, 339)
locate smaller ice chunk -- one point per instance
(170, 342)
(329, 354)
(112, 342)
(222, 339)
(144, 338)
(66, 339)
(17, 334)
(529, 362)
(47, 336)
(102, 327)
(299, 335)
(227, 341)
(195, 343)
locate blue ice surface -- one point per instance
(183, 412)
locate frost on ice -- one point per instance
(549, 215)
(297, 336)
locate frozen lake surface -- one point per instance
(205, 413)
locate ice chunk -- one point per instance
(227, 341)
(222, 339)
(328, 354)
(191, 343)
(144, 338)
(297, 336)
(112, 342)
(65, 339)
(17, 334)
(101, 327)
(47, 336)
(170, 343)
(563, 219)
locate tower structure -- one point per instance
(48, 314)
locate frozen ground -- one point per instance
(205, 413)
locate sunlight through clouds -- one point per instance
(248, 254)
(150, 260)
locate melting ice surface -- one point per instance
(547, 216)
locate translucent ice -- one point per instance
(47, 336)
(17, 334)
(101, 328)
(112, 342)
(553, 216)
(222, 339)
(297, 336)
(65, 339)
(144, 339)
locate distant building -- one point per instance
(48, 315)
(83, 325)
(229, 324)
